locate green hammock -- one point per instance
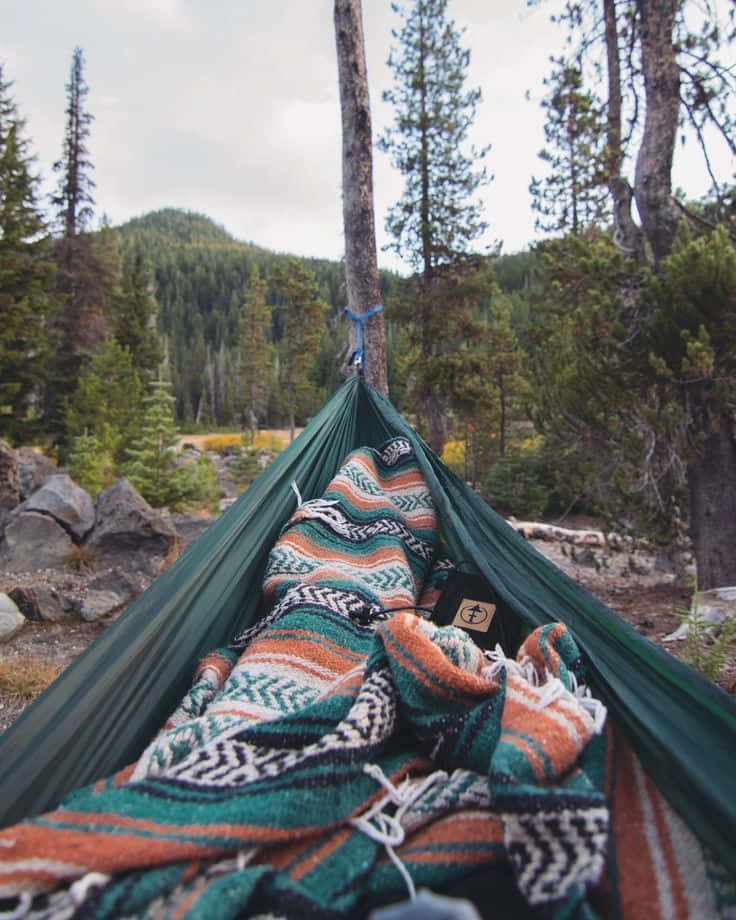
(101, 712)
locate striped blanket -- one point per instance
(346, 750)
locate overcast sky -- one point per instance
(231, 108)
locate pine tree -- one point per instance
(86, 264)
(151, 469)
(89, 463)
(437, 218)
(135, 309)
(107, 399)
(73, 198)
(26, 275)
(256, 351)
(303, 320)
(573, 195)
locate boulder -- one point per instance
(11, 619)
(119, 583)
(37, 602)
(9, 480)
(33, 469)
(128, 533)
(66, 502)
(189, 527)
(34, 541)
(97, 604)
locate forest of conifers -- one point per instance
(595, 372)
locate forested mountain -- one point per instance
(201, 278)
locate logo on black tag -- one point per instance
(473, 614)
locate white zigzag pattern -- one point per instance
(555, 852)
(230, 762)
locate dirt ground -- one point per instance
(626, 581)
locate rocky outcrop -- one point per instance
(129, 533)
(68, 504)
(33, 471)
(39, 602)
(34, 541)
(189, 527)
(9, 480)
(11, 619)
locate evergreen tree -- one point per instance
(151, 469)
(573, 195)
(89, 463)
(86, 264)
(303, 320)
(256, 351)
(107, 399)
(437, 217)
(135, 309)
(74, 199)
(26, 275)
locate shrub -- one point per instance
(706, 647)
(220, 443)
(453, 456)
(267, 440)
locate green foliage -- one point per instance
(256, 351)
(572, 196)
(151, 468)
(706, 647)
(443, 327)
(522, 483)
(244, 467)
(302, 317)
(135, 311)
(107, 400)
(73, 198)
(437, 217)
(90, 463)
(26, 277)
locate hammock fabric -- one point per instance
(103, 710)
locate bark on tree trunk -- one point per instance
(627, 234)
(361, 266)
(435, 422)
(712, 499)
(652, 182)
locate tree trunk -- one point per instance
(712, 499)
(435, 422)
(652, 182)
(361, 266)
(626, 234)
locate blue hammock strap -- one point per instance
(357, 358)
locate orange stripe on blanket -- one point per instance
(364, 561)
(309, 651)
(636, 869)
(435, 666)
(313, 858)
(462, 831)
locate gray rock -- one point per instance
(128, 533)
(712, 609)
(189, 527)
(34, 541)
(33, 469)
(119, 583)
(9, 479)
(37, 602)
(11, 619)
(66, 502)
(97, 604)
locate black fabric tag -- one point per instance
(469, 602)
